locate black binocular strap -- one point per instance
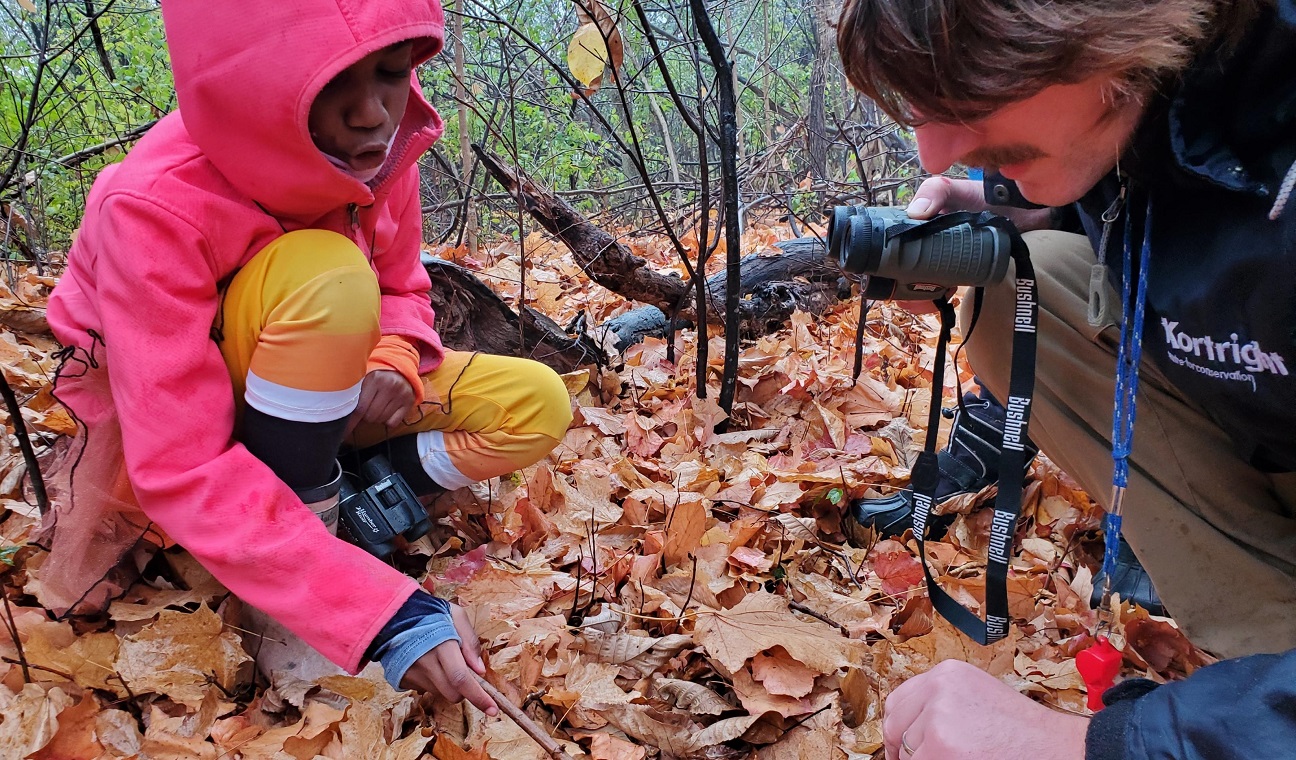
(1012, 457)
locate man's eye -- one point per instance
(394, 73)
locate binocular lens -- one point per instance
(864, 240)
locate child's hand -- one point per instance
(385, 399)
(446, 669)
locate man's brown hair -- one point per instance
(959, 60)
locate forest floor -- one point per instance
(651, 589)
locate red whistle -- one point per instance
(1099, 665)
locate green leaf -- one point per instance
(835, 496)
(7, 554)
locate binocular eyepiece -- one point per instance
(918, 266)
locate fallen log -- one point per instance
(772, 286)
(472, 317)
(608, 263)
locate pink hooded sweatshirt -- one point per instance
(198, 196)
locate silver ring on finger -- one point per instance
(905, 749)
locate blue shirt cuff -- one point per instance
(419, 626)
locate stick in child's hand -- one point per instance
(545, 741)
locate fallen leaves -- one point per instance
(180, 655)
(653, 588)
(30, 718)
(763, 621)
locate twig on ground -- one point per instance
(525, 723)
(12, 628)
(799, 607)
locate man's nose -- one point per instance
(940, 146)
(367, 112)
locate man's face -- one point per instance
(355, 116)
(1056, 144)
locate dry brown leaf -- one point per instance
(641, 439)
(118, 733)
(75, 737)
(88, 658)
(763, 621)
(30, 718)
(607, 422)
(446, 748)
(149, 602)
(1162, 645)
(795, 528)
(181, 738)
(687, 525)
(815, 739)
(745, 559)
(195, 576)
(607, 747)
(669, 732)
(643, 653)
(507, 741)
(757, 700)
(946, 642)
(596, 683)
(178, 654)
(861, 701)
(896, 567)
(722, 731)
(508, 595)
(318, 720)
(692, 698)
(781, 674)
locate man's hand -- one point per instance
(386, 398)
(448, 669)
(956, 711)
(942, 195)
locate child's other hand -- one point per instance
(448, 669)
(385, 399)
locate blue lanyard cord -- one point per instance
(1127, 383)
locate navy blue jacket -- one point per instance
(1222, 286)
(1222, 326)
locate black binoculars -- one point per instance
(375, 514)
(915, 260)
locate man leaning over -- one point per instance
(1184, 111)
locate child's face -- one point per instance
(355, 116)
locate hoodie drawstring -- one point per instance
(1284, 192)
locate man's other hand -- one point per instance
(956, 711)
(449, 669)
(942, 195)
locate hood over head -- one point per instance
(247, 72)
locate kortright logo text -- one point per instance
(1238, 358)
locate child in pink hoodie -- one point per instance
(244, 293)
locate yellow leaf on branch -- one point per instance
(587, 54)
